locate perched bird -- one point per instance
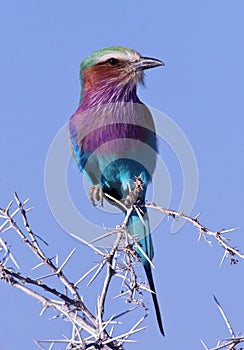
(114, 140)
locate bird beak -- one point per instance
(146, 63)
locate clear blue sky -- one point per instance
(200, 88)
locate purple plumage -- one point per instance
(113, 135)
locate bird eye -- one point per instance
(113, 61)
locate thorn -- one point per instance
(14, 261)
(43, 310)
(88, 244)
(105, 324)
(36, 266)
(125, 335)
(6, 229)
(121, 294)
(140, 216)
(232, 333)
(103, 236)
(65, 261)
(130, 341)
(229, 230)
(39, 345)
(224, 256)
(125, 312)
(9, 207)
(85, 275)
(3, 216)
(197, 216)
(25, 201)
(111, 331)
(123, 277)
(199, 237)
(29, 209)
(207, 240)
(96, 273)
(204, 345)
(116, 201)
(8, 253)
(145, 255)
(147, 289)
(46, 276)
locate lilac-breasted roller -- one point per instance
(114, 140)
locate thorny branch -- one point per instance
(91, 331)
(204, 232)
(228, 343)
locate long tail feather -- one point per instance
(141, 230)
(148, 271)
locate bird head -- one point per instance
(111, 74)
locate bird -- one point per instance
(114, 141)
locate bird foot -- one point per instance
(96, 195)
(135, 194)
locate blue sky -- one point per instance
(200, 88)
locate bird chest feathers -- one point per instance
(114, 140)
(104, 134)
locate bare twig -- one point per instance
(70, 306)
(12, 278)
(36, 249)
(120, 262)
(110, 273)
(228, 344)
(203, 230)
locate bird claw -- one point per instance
(96, 195)
(134, 197)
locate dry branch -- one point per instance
(91, 331)
(228, 343)
(204, 231)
